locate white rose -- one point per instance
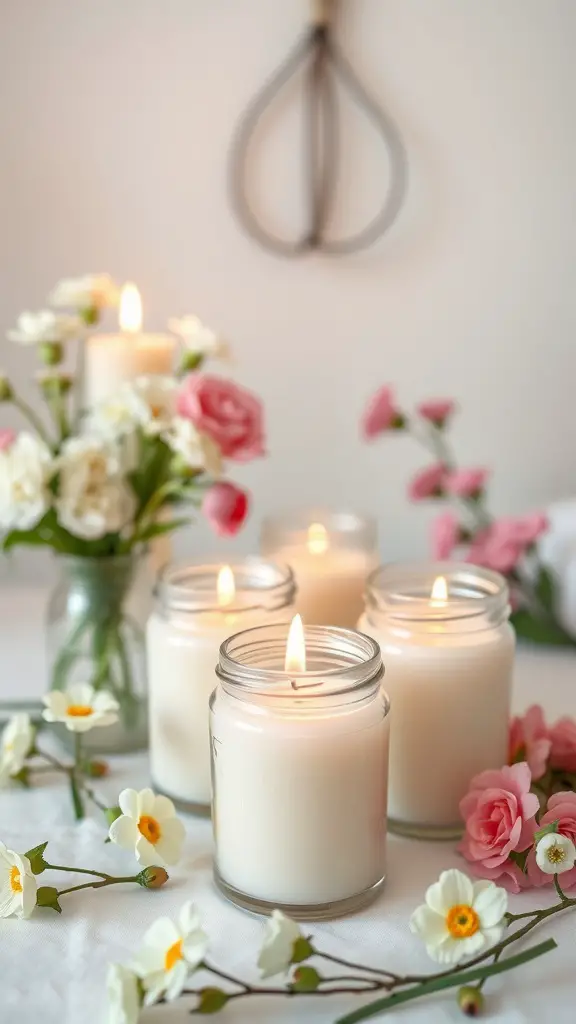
(91, 291)
(45, 326)
(199, 338)
(25, 470)
(94, 497)
(197, 450)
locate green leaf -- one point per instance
(211, 1000)
(23, 777)
(112, 813)
(546, 830)
(306, 979)
(520, 858)
(157, 529)
(454, 980)
(545, 589)
(301, 950)
(36, 858)
(538, 630)
(47, 896)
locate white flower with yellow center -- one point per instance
(169, 954)
(18, 885)
(80, 707)
(149, 826)
(44, 326)
(460, 918)
(198, 451)
(124, 1000)
(25, 470)
(91, 291)
(16, 743)
(555, 854)
(278, 946)
(198, 338)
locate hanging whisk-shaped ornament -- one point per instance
(324, 64)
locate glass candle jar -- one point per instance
(449, 652)
(197, 607)
(331, 553)
(299, 763)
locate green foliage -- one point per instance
(36, 858)
(47, 896)
(542, 631)
(546, 830)
(211, 1000)
(545, 589)
(306, 979)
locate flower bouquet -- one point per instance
(508, 545)
(96, 486)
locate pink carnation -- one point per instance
(522, 530)
(381, 414)
(466, 483)
(563, 754)
(436, 410)
(7, 438)
(530, 741)
(499, 812)
(224, 411)
(445, 536)
(561, 808)
(494, 550)
(428, 483)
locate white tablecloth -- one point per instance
(52, 968)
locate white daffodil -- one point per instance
(94, 497)
(80, 707)
(91, 291)
(555, 854)
(18, 885)
(149, 826)
(169, 954)
(25, 470)
(16, 743)
(197, 451)
(278, 946)
(45, 326)
(124, 1000)
(460, 917)
(199, 338)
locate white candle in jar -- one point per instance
(331, 558)
(111, 360)
(449, 659)
(198, 607)
(300, 772)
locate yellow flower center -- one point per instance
(462, 921)
(150, 829)
(15, 881)
(156, 411)
(556, 854)
(79, 710)
(173, 955)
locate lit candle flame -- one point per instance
(130, 309)
(317, 539)
(439, 596)
(295, 647)
(225, 587)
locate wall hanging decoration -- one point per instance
(325, 66)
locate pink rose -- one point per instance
(563, 754)
(7, 438)
(561, 808)
(428, 483)
(437, 410)
(225, 507)
(381, 414)
(499, 812)
(530, 741)
(466, 483)
(494, 551)
(224, 411)
(445, 536)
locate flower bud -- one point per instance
(96, 770)
(90, 315)
(153, 878)
(50, 352)
(6, 393)
(470, 1001)
(112, 813)
(55, 383)
(191, 361)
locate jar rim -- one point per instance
(402, 591)
(191, 586)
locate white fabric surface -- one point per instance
(52, 968)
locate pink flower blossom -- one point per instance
(227, 413)
(561, 808)
(428, 483)
(466, 483)
(563, 754)
(523, 530)
(381, 414)
(495, 551)
(7, 438)
(225, 507)
(530, 741)
(436, 410)
(499, 812)
(445, 536)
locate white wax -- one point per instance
(330, 585)
(182, 657)
(450, 695)
(300, 800)
(111, 360)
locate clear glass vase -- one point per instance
(95, 633)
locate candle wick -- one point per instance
(302, 686)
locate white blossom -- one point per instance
(198, 338)
(198, 451)
(460, 918)
(18, 885)
(123, 995)
(80, 707)
(25, 470)
(555, 853)
(169, 954)
(45, 326)
(149, 826)
(91, 291)
(94, 498)
(16, 743)
(278, 946)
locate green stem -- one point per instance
(356, 967)
(75, 775)
(561, 893)
(77, 871)
(95, 800)
(108, 880)
(51, 760)
(32, 418)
